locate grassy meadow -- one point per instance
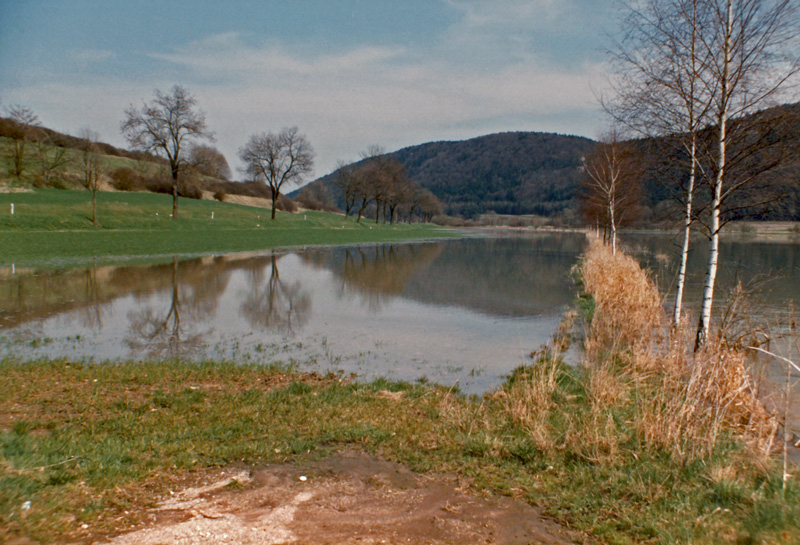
(54, 226)
(637, 445)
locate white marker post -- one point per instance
(12, 208)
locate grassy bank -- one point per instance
(632, 447)
(54, 225)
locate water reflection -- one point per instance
(159, 332)
(375, 274)
(275, 305)
(464, 311)
(768, 272)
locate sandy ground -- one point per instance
(347, 499)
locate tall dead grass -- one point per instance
(685, 402)
(636, 365)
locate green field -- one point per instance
(54, 226)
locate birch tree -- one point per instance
(659, 89)
(611, 182)
(750, 47)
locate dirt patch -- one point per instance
(346, 499)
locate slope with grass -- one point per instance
(54, 226)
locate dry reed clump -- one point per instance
(628, 307)
(684, 402)
(530, 400)
(711, 394)
(640, 381)
(535, 392)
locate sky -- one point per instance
(348, 73)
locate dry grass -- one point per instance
(687, 402)
(640, 381)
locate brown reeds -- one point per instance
(685, 402)
(637, 365)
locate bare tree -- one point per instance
(278, 159)
(51, 158)
(659, 66)
(90, 166)
(167, 126)
(346, 182)
(27, 122)
(751, 45)
(612, 182)
(429, 205)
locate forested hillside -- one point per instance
(508, 173)
(540, 173)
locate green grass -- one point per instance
(98, 444)
(54, 226)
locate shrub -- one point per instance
(286, 204)
(189, 191)
(159, 185)
(220, 196)
(125, 179)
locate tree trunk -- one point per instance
(174, 192)
(94, 206)
(19, 153)
(713, 252)
(687, 231)
(613, 222)
(274, 203)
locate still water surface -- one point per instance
(464, 311)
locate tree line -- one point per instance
(380, 184)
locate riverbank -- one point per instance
(642, 443)
(54, 226)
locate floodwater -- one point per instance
(757, 298)
(465, 311)
(460, 312)
(757, 292)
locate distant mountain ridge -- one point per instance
(507, 173)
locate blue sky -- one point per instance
(348, 73)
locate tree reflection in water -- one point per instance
(377, 274)
(161, 335)
(92, 313)
(276, 305)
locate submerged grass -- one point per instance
(607, 448)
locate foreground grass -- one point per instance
(96, 445)
(54, 225)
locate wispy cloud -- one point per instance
(484, 73)
(394, 96)
(89, 56)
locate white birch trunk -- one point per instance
(704, 326)
(613, 230)
(687, 231)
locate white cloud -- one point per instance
(351, 98)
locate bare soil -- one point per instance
(347, 499)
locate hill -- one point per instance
(538, 173)
(506, 173)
